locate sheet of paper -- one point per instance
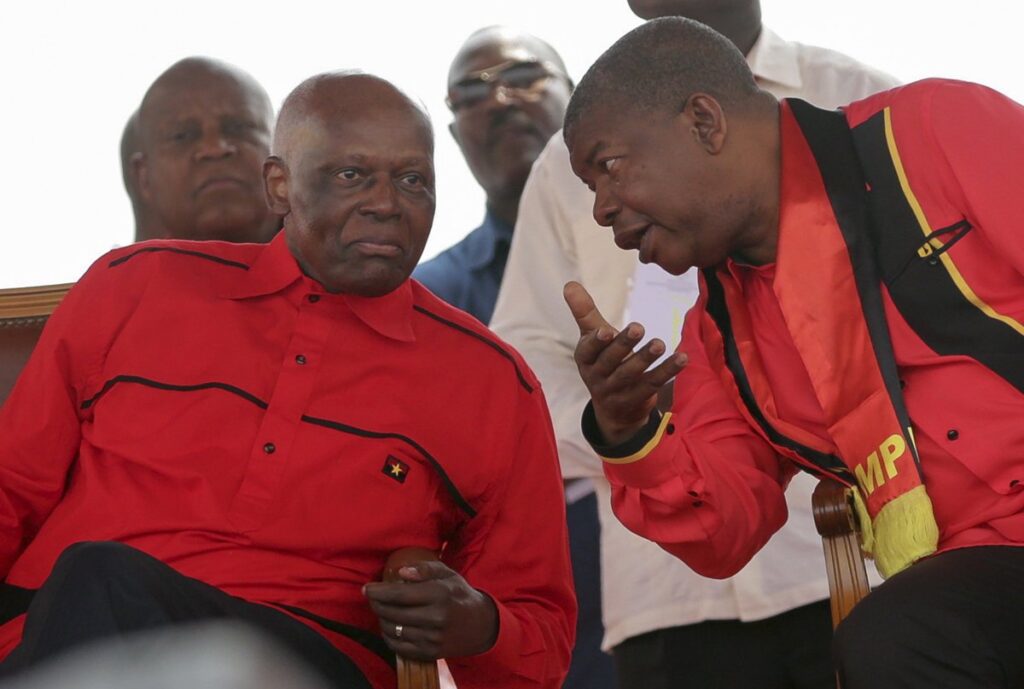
(659, 301)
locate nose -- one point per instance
(381, 200)
(214, 145)
(606, 205)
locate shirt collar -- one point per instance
(773, 59)
(276, 269)
(483, 242)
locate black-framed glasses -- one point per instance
(522, 80)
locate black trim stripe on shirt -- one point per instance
(148, 382)
(446, 480)
(187, 252)
(362, 432)
(365, 638)
(490, 343)
(816, 463)
(923, 289)
(828, 135)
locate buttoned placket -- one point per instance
(296, 379)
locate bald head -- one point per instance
(203, 131)
(515, 44)
(334, 99)
(353, 175)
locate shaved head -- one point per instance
(352, 173)
(659, 65)
(203, 132)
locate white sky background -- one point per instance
(72, 72)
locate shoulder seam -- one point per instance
(486, 340)
(187, 252)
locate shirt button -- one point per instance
(300, 360)
(313, 298)
(952, 434)
(693, 493)
(1014, 484)
(698, 503)
(269, 448)
(670, 429)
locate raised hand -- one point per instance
(622, 390)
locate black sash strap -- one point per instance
(921, 287)
(14, 601)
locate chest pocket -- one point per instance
(364, 488)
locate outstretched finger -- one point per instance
(634, 367)
(619, 349)
(583, 308)
(666, 370)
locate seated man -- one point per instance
(861, 315)
(247, 431)
(196, 148)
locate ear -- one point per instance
(140, 176)
(455, 134)
(707, 122)
(275, 185)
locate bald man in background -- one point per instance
(223, 430)
(144, 228)
(195, 150)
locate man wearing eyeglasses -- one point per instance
(507, 92)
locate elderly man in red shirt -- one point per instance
(247, 431)
(861, 316)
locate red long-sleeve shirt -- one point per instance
(210, 405)
(710, 491)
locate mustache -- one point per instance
(509, 117)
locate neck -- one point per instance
(504, 209)
(760, 238)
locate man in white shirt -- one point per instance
(768, 626)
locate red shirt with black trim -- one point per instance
(708, 487)
(210, 405)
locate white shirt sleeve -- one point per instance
(530, 313)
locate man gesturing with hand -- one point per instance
(623, 391)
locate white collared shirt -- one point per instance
(557, 240)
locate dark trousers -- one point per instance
(788, 651)
(591, 668)
(107, 589)
(953, 620)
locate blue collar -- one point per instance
(482, 243)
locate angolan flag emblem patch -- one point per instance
(395, 468)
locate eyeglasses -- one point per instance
(523, 80)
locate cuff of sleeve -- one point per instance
(505, 655)
(629, 451)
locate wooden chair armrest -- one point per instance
(412, 674)
(836, 521)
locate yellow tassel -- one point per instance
(904, 531)
(867, 534)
